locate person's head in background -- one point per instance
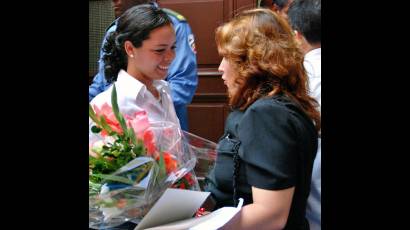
(279, 6)
(305, 18)
(143, 45)
(120, 6)
(261, 58)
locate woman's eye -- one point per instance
(160, 50)
(173, 47)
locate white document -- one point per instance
(212, 221)
(219, 218)
(173, 205)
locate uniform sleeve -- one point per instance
(182, 75)
(99, 83)
(97, 86)
(269, 147)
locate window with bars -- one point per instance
(100, 16)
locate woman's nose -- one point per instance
(220, 68)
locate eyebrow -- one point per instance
(165, 45)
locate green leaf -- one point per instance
(94, 186)
(114, 178)
(104, 125)
(132, 136)
(116, 110)
(95, 129)
(115, 153)
(138, 149)
(92, 115)
(144, 171)
(161, 164)
(155, 173)
(105, 203)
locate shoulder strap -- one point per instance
(175, 14)
(236, 165)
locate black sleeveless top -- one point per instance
(271, 145)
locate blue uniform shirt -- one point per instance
(182, 73)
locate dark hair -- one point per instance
(280, 3)
(134, 25)
(260, 46)
(305, 17)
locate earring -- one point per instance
(132, 56)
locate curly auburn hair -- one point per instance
(261, 48)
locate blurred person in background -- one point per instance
(305, 18)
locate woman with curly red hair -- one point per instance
(266, 153)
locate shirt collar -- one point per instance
(313, 53)
(133, 87)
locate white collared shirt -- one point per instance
(313, 66)
(133, 96)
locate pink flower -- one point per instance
(149, 142)
(170, 162)
(109, 116)
(139, 123)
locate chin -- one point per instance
(160, 76)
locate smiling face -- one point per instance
(151, 61)
(229, 75)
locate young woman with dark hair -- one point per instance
(137, 56)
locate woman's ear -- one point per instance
(297, 34)
(298, 37)
(301, 41)
(129, 48)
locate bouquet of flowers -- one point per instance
(205, 153)
(132, 162)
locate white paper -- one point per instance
(219, 218)
(173, 205)
(182, 224)
(212, 221)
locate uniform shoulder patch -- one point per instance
(175, 14)
(191, 42)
